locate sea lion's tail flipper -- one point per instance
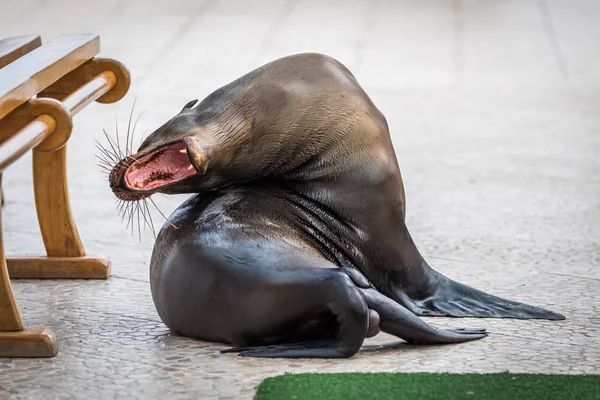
(427, 292)
(451, 298)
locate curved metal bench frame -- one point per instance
(64, 77)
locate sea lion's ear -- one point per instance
(199, 154)
(190, 104)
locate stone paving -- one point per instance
(494, 108)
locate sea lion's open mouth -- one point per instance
(164, 166)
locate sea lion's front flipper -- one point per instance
(454, 299)
(307, 349)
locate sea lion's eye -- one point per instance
(190, 104)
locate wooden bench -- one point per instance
(41, 88)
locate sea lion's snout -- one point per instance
(165, 160)
(142, 175)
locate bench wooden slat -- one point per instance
(14, 143)
(14, 47)
(25, 77)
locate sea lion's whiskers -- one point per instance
(142, 138)
(133, 131)
(126, 214)
(117, 137)
(103, 169)
(117, 152)
(145, 216)
(102, 157)
(105, 157)
(127, 150)
(122, 209)
(110, 142)
(103, 162)
(161, 213)
(151, 222)
(131, 220)
(130, 216)
(106, 152)
(137, 205)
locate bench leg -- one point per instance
(14, 340)
(34, 342)
(59, 231)
(66, 257)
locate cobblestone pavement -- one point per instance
(494, 108)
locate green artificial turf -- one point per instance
(387, 386)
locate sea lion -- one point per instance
(294, 244)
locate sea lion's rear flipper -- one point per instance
(427, 292)
(398, 321)
(438, 295)
(455, 299)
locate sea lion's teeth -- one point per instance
(133, 167)
(139, 185)
(190, 167)
(183, 151)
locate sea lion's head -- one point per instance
(227, 138)
(268, 123)
(171, 160)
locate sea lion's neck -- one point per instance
(357, 224)
(362, 189)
